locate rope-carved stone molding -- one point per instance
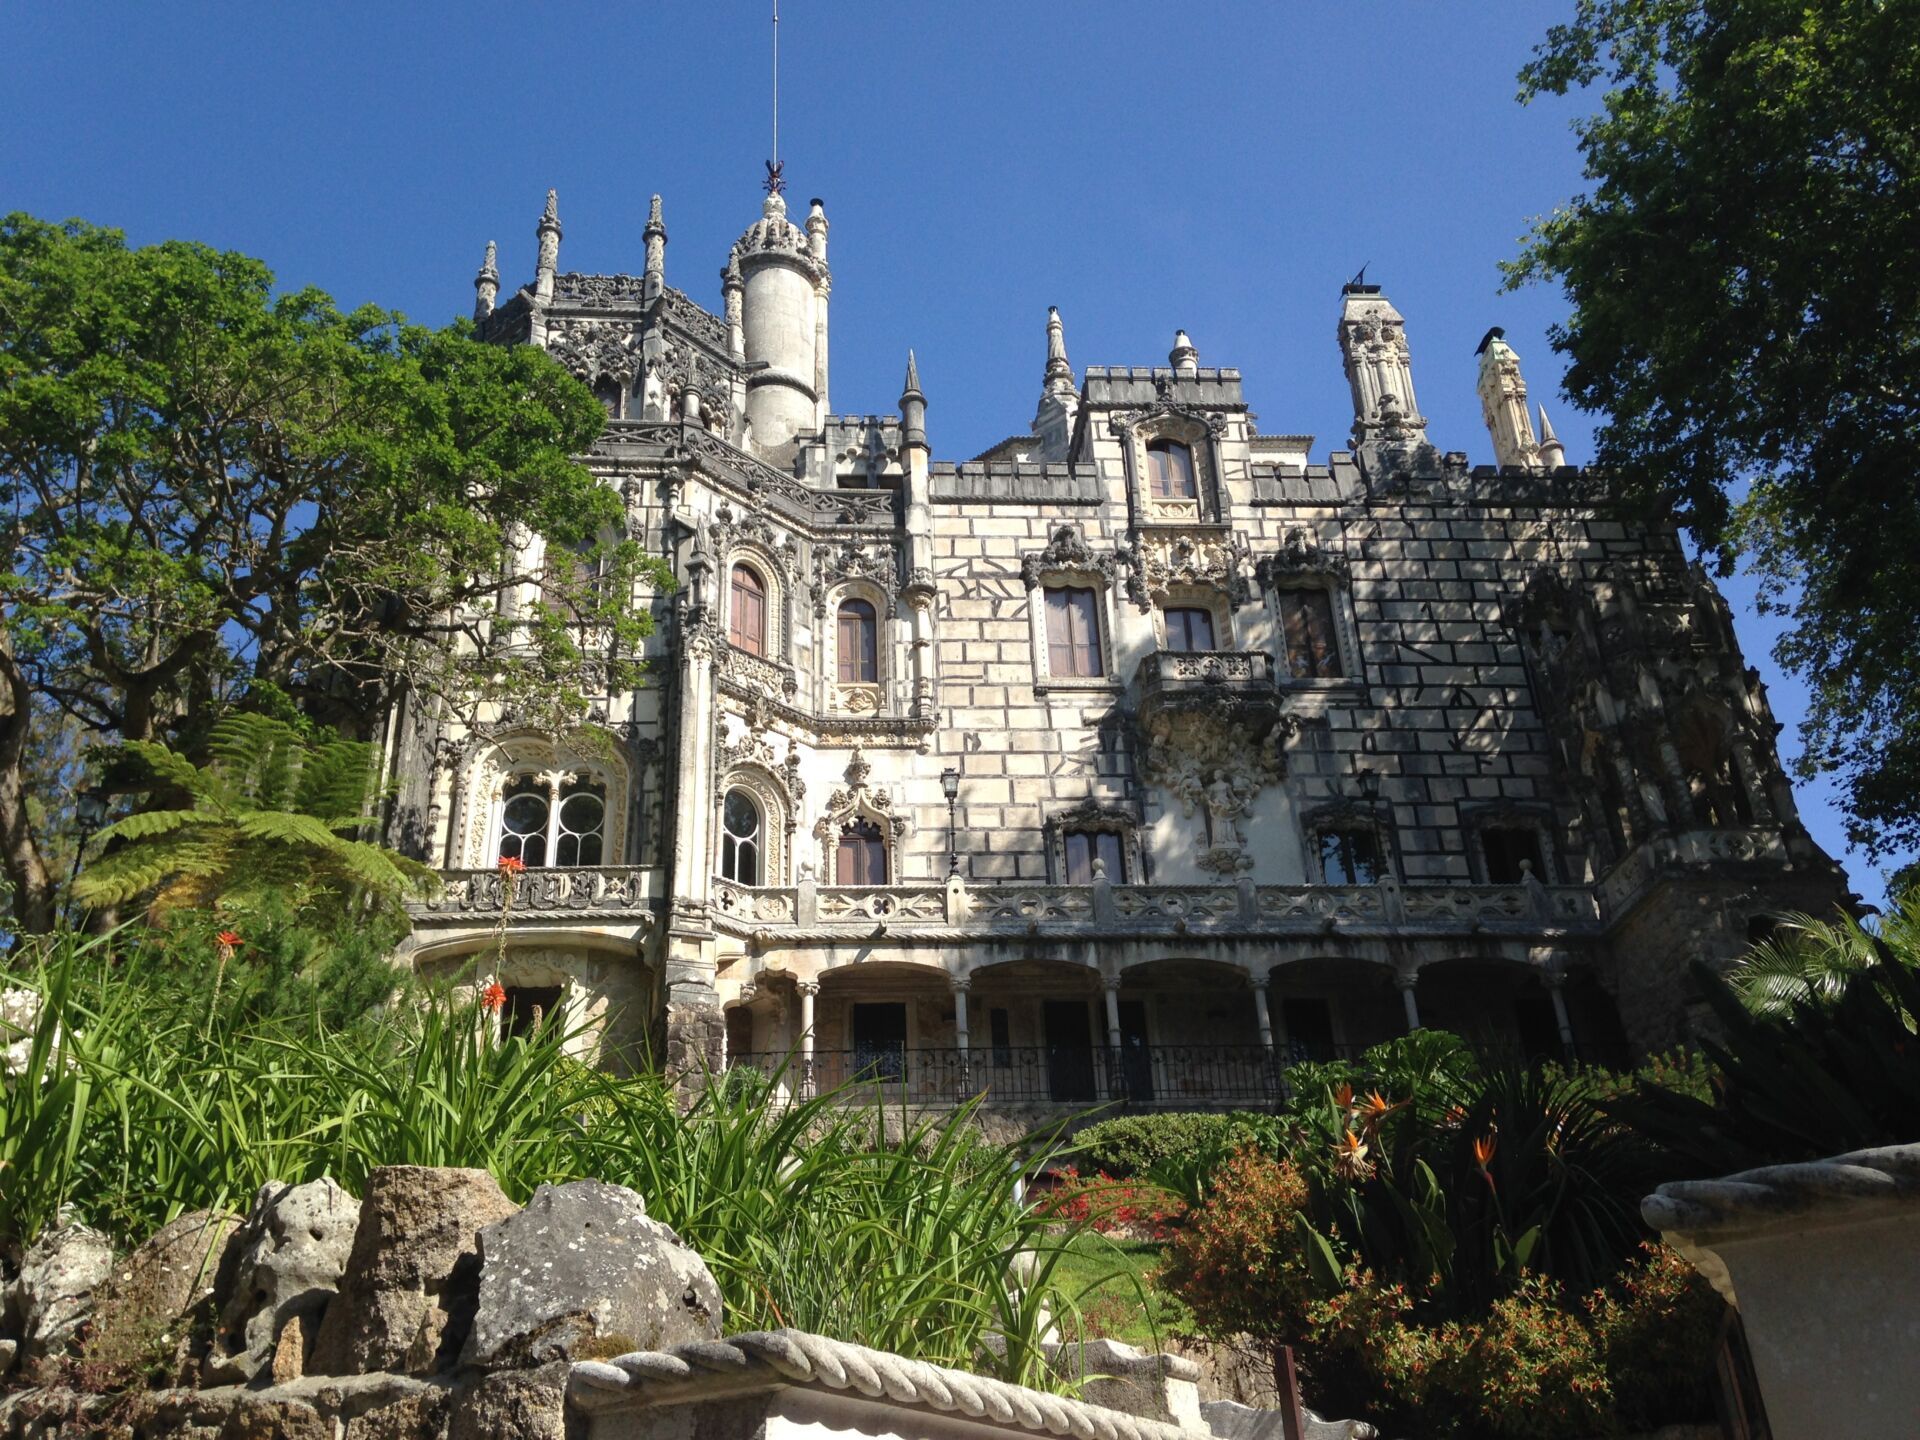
(794, 1357)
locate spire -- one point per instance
(1552, 453)
(548, 234)
(1059, 375)
(817, 229)
(913, 406)
(486, 284)
(655, 235)
(1373, 343)
(1183, 357)
(1503, 403)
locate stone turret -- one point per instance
(1183, 357)
(548, 234)
(486, 284)
(1503, 402)
(1373, 343)
(654, 279)
(784, 282)
(1059, 397)
(913, 407)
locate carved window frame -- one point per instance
(514, 756)
(1348, 815)
(1476, 820)
(1106, 819)
(777, 822)
(1346, 633)
(843, 697)
(1201, 435)
(1044, 679)
(773, 581)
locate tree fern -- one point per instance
(273, 815)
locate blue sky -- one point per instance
(1219, 167)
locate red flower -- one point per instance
(1484, 1147)
(229, 938)
(494, 997)
(512, 864)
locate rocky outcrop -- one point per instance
(412, 1279)
(142, 1313)
(284, 1266)
(53, 1293)
(583, 1268)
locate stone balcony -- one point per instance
(1234, 687)
(606, 892)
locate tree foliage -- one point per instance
(1746, 317)
(274, 819)
(213, 491)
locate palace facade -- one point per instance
(1130, 759)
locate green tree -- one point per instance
(1746, 317)
(272, 820)
(211, 492)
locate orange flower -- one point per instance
(229, 938)
(494, 997)
(1484, 1147)
(1343, 1097)
(1350, 1158)
(1376, 1107)
(512, 864)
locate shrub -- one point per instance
(1131, 1145)
(1109, 1205)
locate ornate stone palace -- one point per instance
(1130, 759)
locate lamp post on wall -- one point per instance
(950, 787)
(89, 811)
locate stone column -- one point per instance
(1556, 989)
(694, 1024)
(808, 989)
(1407, 981)
(1112, 987)
(962, 1040)
(1262, 1015)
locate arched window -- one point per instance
(1170, 474)
(740, 839)
(859, 643)
(861, 858)
(747, 620)
(523, 821)
(538, 832)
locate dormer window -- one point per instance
(747, 614)
(1189, 628)
(1170, 472)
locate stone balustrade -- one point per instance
(612, 890)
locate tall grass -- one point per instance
(139, 1101)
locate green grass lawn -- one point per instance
(1110, 1281)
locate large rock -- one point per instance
(140, 1313)
(524, 1404)
(287, 1260)
(53, 1293)
(583, 1268)
(406, 1299)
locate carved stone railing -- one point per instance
(1236, 684)
(779, 681)
(757, 480)
(1692, 849)
(601, 890)
(1162, 909)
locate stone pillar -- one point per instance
(1407, 982)
(654, 279)
(1112, 988)
(695, 1026)
(1262, 1015)
(808, 989)
(486, 284)
(823, 287)
(1556, 989)
(962, 985)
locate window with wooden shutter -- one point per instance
(1086, 846)
(1170, 473)
(1189, 628)
(861, 857)
(1306, 625)
(748, 621)
(1073, 633)
(859, 643)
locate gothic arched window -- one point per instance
(1170, 473)
(740, 839)
(859, 643)
(541, 827)
(580, 824)
(747, 614)
(861, 856)
(523, 822)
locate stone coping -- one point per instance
(769, 1359)
(1840, 1190)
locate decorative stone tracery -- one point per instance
(856, 801)
(1067, 551)
(1300, 557)
(1216, 770)
(1162, 561)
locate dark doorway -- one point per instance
(1309, 1027)
(1539, 1027)
(1136, 1055)
(879, 1042)
(527, 1008)
(1069, 1050)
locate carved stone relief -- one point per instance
(1301, 556)
(1216, 771)
(1067, 549)
(856, 801)
(1161, 560)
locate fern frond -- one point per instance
(145, 823)
(337, 779)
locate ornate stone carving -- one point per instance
(599, 291)
(836, 563)
(1215, 770)
(596, 349)
(754, 480)
(1301, 556)
(1214, 421)
(856, 801)
(1162, 559)
(1067, 549)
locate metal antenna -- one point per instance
(775, 183)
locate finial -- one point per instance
(912, 386)
(1059, 373)
(776, 182)
(550, 217)
(1183, 357)
(486, 283)
(1552, 453)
